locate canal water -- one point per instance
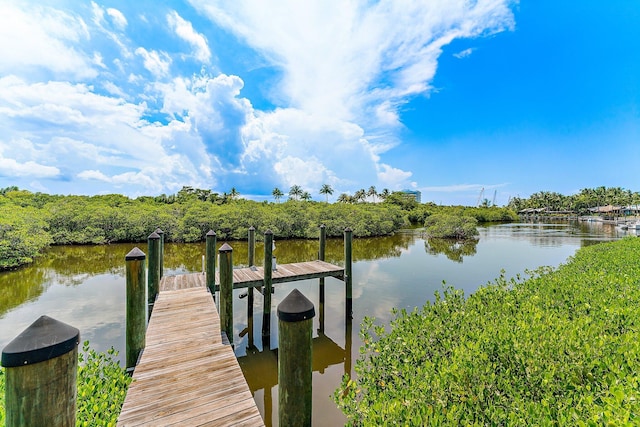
(84, 286)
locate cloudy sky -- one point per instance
(448, 97)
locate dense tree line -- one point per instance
(578, 203)
(30, 222)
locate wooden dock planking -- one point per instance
(186, 375)
(250, 277)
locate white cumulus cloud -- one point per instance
(185, 31)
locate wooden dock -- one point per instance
(188, 374)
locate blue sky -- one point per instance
(448, 97)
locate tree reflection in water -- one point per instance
(453, 249)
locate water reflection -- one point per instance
(453, 249)
(85, 287)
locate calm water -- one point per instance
(84, 286)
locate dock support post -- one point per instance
(153, 276)
(40, 377)
(161, 255)
(210, 255)
(226, 290)
(348, 279)
(250, 296)
(295, 345)
(321, 253)
(268, 284)
(136, 322)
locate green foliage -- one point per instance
(102, 387)
(2, 394)
(560, 348)
(23, 234)
(578, 203)
(451, 226)
(30, 222)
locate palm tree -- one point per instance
(344, 198)
(360, 195)
(277, 193)
(385, 193)
(306, 196)
(372, 193)
(295, 192)
(233, 194)
(326, 190)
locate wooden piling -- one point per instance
(250, 296)
(211, 261)
(267, 285)
(153, 276)
(136, 322)
(161, 255)
(226, 290)
(40, 377)
(295, 342)
(321, 291)
(348, 279)
(252, 246)
(323, 242)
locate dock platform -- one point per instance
(187, 374)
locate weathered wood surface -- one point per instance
(187, 375)
(253, 277)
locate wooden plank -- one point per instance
(186, 375)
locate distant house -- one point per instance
(414, 194)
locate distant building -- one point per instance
(414, 194)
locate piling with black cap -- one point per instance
(211, 261)
(40, 376)
(226, 290)
(295, 349)
(153, 276)
(161, 255)
(321, 291)
(267, 285)
(136, 321)
(348, 280)
(323, 242)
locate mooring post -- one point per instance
(153, 276)
(323, 242)
(211, 261)
(268, 284)
(348, 279)
(226, 290)
(252, 246)
(161, 253)
(321, 252)
(295, 345)
(136, 322)
(250, 297)
(40, 376)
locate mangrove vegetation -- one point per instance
(558, 348)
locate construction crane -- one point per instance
(495, 193)
(480, 197)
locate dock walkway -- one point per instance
(187, 374)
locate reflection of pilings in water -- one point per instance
(261, 367)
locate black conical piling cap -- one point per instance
(135, 254)
(225, 248)
(154, 235)
(211, 233)
(44, 339)
(295, 307)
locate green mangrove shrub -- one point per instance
(559, 348)
(451, 226)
